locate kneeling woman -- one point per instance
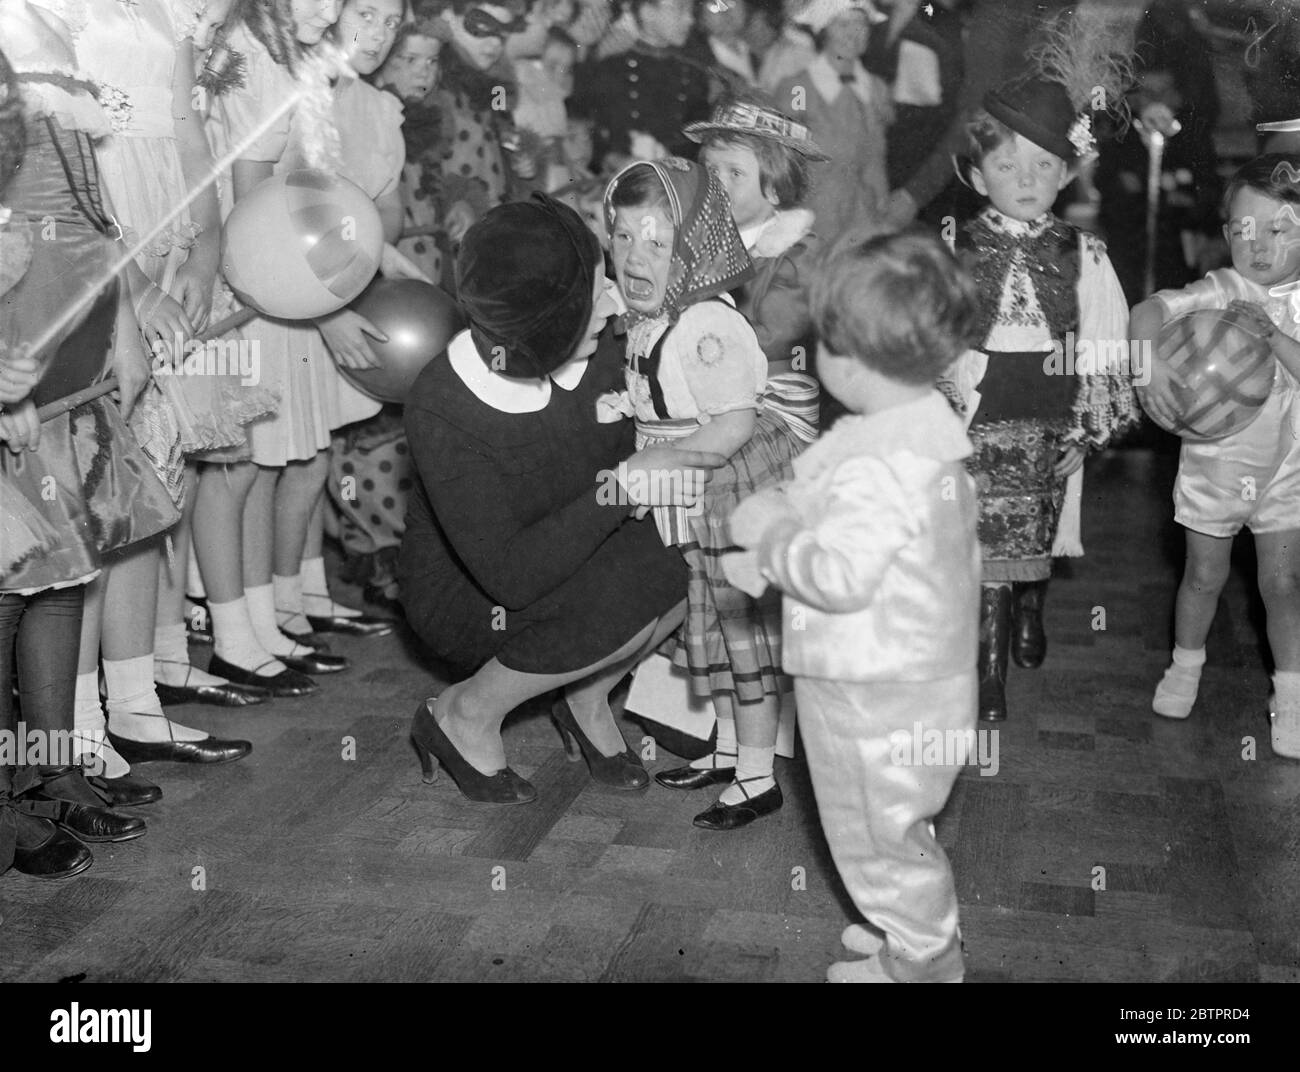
(519, 565)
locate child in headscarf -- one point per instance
(698, 378)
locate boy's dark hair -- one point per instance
(984, 134)
(12, 130)
(899, 303)
(1275, 175)
(781, 171)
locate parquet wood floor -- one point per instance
(318, 867)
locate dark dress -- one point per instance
(657, 91)
(509, 551)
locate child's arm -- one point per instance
(724, 434)
(1158, 393)
(1285, 348)
(837, 563)
(724, 369)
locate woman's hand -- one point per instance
(19, 427)
(1071, 458)
(345, 334)
(665, 476)
(193, 289)
(19, 375)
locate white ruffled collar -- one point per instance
(506, 393)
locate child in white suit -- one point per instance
(874, 545)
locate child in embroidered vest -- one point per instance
(1042, 283)
(874, 545)
(697, 377)
(1263, 230)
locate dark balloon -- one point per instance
(419, 320)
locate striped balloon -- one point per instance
(1226, 366)
(302, 244)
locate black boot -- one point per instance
(995, 640)
(1028, 641)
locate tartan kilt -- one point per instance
(731, 642)
(1020, 498)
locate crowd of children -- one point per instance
(902, 460)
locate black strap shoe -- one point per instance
(227, 694)
(79, 810)
(286, 683)
(128, 791)
(697, 777)
(210, 750)
(314, 662)
(364, 625)
(733, 816)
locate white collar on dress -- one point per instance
(507, 393)
(826, 80)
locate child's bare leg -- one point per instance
(1279, 585)
(1204, 575)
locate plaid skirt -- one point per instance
(731, 642)
(1020, 498)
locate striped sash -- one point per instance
(673, 522)
(793, 396)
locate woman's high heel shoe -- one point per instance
(623, 771)
(502, 787)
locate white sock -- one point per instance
(288, 604)
(1176, 694)
(236, 642)
(316, 598)
(753, 766)
(261, 611)
(171, 658)
(1189, 658)
(89, 741)
(724, 750)
(133, 704)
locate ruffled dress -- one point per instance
(89, 489)
(130, 50)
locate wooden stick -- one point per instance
(236, 319)
(78, 398)
(68, 402)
